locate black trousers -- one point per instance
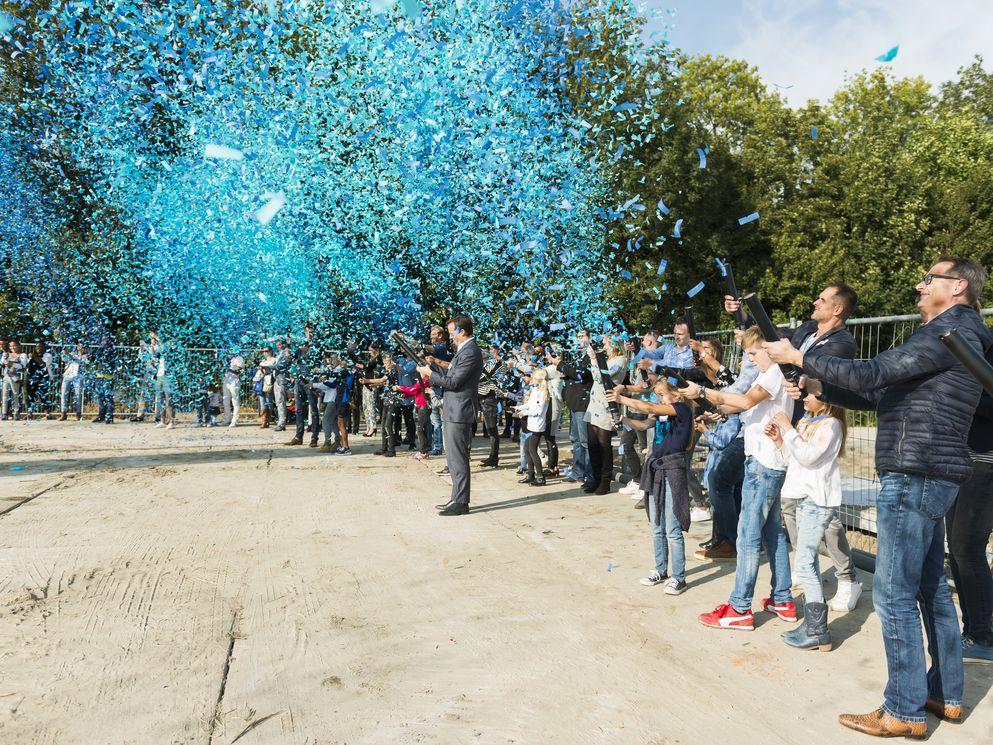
(491, 416)
(969, 522)
(531, 455)
(357, 394)
(390, 416)
(409, 424)
(601, 455)
(307, 408)
(423, 422)
(553, 449)
(630, 460)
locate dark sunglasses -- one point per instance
(928, 277)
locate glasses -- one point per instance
(929, 277)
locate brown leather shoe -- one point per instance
(722, 551)
(945, 712)
(63, 417)
(326, 449)
(880, 724)
(313, 443)
(295, 441)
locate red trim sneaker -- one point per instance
(785, 611)
(726, 617)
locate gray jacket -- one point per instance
(461, 384)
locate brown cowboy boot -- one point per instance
(945, 712)
(880, 724)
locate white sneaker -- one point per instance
(160, 425)
(232, 425)
(631, 488)
(171, 425)
(638, 495)
(699, 515)
(847, 596)
(675, 587)
(654, 579)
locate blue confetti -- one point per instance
(696, 290)
(702, 152)
(748, 218)
(17, 468)
(662, 208)
(813, 132)
(888, 56)
(662, 265)
(677, 230)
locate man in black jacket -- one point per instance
(576, 395)
(924, 401)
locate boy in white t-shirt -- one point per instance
(765, 470)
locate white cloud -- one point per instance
(806, 44)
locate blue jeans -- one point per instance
(525, 436)
(725, 488)
(581, 469)
(910, 573)
(436, 426)
(760, 520)
(811, 522)
(668, 527)
(103, 391)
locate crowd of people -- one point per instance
(773, 431)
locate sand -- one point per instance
(213, 586)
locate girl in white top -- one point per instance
(813, 477)
(536, 408)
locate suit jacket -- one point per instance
(838, 342)
(461, 384)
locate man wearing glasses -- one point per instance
(924, 401)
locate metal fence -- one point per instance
(132, 384)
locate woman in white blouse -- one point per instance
(537, 408)
(813, 478)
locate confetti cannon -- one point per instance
(971, 360)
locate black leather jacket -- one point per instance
(923, 397)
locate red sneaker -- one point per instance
(726, 617)
(785, 611)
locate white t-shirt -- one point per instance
(754, 420)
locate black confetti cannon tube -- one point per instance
(971, 360)
(770, 333)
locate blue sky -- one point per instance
(812, 44)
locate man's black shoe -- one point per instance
(444, 506)
(390, 454)
(377, 452)
(455, 509)
(538, 482)
(488, 463)
(526, 480)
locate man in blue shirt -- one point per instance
(676, 353)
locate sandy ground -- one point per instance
(207, 586)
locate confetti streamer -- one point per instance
(813, 133)
(221, 152)
(748, 218)
(677, 231)
(696, 289)
(889, 55)
(276, 202)
(662, 265)
(702, 153)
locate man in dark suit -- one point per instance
(825, 331)
(460, 381)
